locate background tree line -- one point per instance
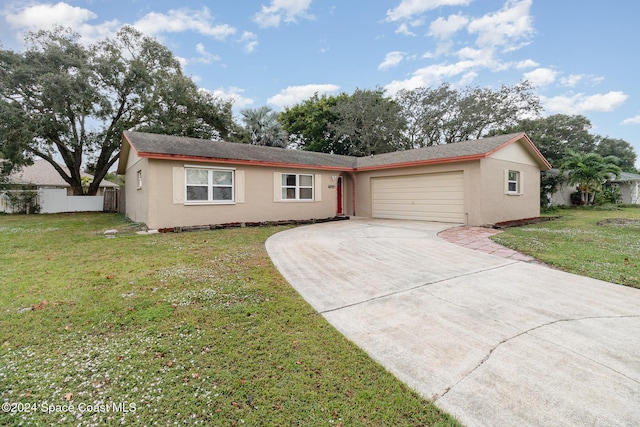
(62, 99)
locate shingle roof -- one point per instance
(627, 176)
(41, 173)
(458, 150)
(165, 146)
(148, 143)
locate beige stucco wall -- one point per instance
(137, 199)
(498, 206)
(255, 201)
(485, 198)
(159, 203)
(562, 197)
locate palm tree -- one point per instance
(263, 127)
(589, 171)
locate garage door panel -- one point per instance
(430, 197)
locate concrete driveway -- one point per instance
(493, 341)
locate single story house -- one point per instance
(54, 193)
(175, 181)
(628, 183)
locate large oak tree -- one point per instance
(363, 123)
(444, 114)
(64, 99)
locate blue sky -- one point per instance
(581, 56)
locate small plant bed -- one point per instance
(525, 221)
(598, 243)
(174, 329)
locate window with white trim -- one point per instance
(297, 187)
(513, 182)
(139, 178)
(209, 185)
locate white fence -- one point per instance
(55, 200)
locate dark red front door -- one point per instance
(339, 191)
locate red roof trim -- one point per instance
(237, 162)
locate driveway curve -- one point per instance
(493, 341)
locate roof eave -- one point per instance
(123, 158)
(160, 156)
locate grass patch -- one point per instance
(181, 329)
(599, 243)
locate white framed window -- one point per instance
(297, 186)
(209, 185)
(139, 178)
(513, 182)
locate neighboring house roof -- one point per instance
(41, 173)
(626, 177)
(192, 149)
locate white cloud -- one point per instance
(404, 29)
(482, 58)
(391, 60)
(45, 16)
(527, 63)
(205, 57)
(572, 80)
(632, 120)
(501, 28)
(445, 28)
(180, 20)
(473, 54)
(581, 103)
(279, 10)
(234, 94)
(432, 75)
(250, 41)
(295, 94)
(541, 76)
(409, 8)
(468, 78)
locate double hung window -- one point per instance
(513, 182)
(209, 185)
(297, 187)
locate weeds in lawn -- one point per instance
(599, 243)
(173, 329)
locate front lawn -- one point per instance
(173, 329)
(599, 243)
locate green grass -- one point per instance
(180, 329)
(576, 243)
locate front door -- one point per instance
(339, 191)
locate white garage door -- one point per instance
(430, 197)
